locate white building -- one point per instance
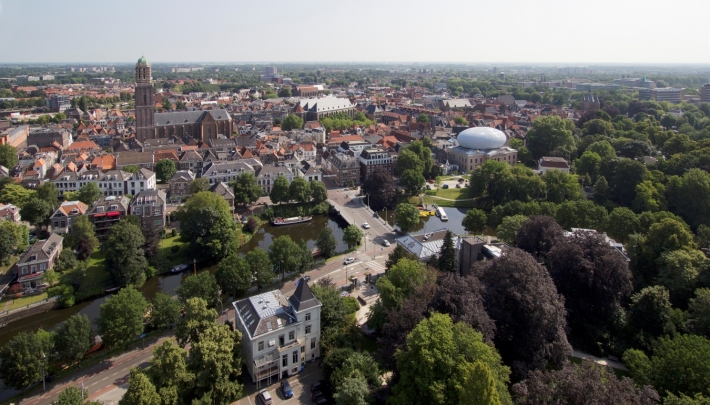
(279, 335)
(111, 182)
(552, 163)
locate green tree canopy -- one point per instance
(140, 390)
(164, 311)
(72, 396)
(196, 318)
(125, 258)
(326, 243)
(199, 184)
(447, 254)
(83, 237)
(407, 217)
(292, 121)
(412, 181)
(319, 193)
(203, 285)
(165, 169)
(89, 193)
(215, 361)
(508, 229)
(233, 275)
(561, 187)
(48, 192)
(37, 212)
(280, 192)
(551, 136)
(14, 238)
(285, 254)
(24, 358)
(168, 372)
(121, 317)
(8, 156)
(299, 190)
(352, 236)
(73, 339)
(246, 189)
(260, 265)
(207, 224)
(475, 221)
(16, 195)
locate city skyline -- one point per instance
(317, 32)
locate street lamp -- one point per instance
(44, 360)
(219, 298)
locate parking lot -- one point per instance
(300, 384)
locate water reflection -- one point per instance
(433, 223)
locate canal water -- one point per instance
(433, 223)
(308, 232)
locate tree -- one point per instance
(380, 189)
(649, 197)
(561, 186)
(412, 181)
(688, 196)
(167, 105)
(588, 164)
(435, 363)
(16, 195)
(396, 255)
(400, 282)
(36, 212)
(407, 217)
(24, 358)
(14, 238)
(299, 190)
(125, 258)
(447, 255)
(699, 313)
(206, 222)
(8, 156)
(479, 386)
(459, 120)
(285, 253)
(233, 275)
(409, 160)
(538, 235)
(215, 362)
(260, 265)
(199, 184)
(623, 176)
(461, 298)
(649, 317)
(666, 235)
(702, 236)
(508, 229)
(280, 192)
(678, 272)
(333, 310)
(152, 234)
(583, 384)
(48, 192)
(285, 92)
(475, 221)
(353, 391)
(169, 372)
(622, 223)
(164, 170)
(73, 339)
(595, 280)
(140, 390)
(603, 149)
(679, 365)
(133, 169)
(203, 285)
(318, 191)
(165, 311)
(551, 136)
(83, 236)
(89, 193)
(292, 121)
(72, 396)
(520, 296)
(423, 118)
(195, 319)
(352, 236)
(246, 189)
(326, 243)
(121, 317)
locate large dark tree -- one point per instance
(585, 384)
(538, 235)
(447, 255)
(650, 317)
(462, 299)
(595, 279)
(521, 298)
(207, 224)
(125, 259)
(396, 255)
(623, 176)
(381, 190)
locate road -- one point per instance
(108, 380)
(354, 209)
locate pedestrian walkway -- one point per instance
(604, 362)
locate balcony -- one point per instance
(296, 343)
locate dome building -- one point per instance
(479, 144)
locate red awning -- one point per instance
(113, 214)
(99, 215)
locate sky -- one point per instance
(466, 31)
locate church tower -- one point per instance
(145, 122)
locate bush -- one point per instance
(68, 298)
(150, 271)
(175, 248)
(252, 225)
(55, 290)
(351, 305)
(173, 233)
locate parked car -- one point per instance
(286, 389)
(349, 260)
(366, 225)
(321, 401)
(431, 181)
(317, 386)
(307, 278)
(458, 186)
(264, 397)
(385, 243)
(428, 187)
(316, 395)
(446, 186)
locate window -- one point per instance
(308, 329)
(308, 316)
(291, 335)
(294, 357)
(261, 345)
(284, 360)
(313, 343)
(42, 267)
(303, 349)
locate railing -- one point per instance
(36, 304)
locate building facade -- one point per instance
(62, 218)
(342, 168)
(374, 158)
(279, 335)
(705, 93)
(203, 125)
(670, 94)
(180, 185)
(39, 258)
(107, 212)
(149, 206)
(145, 121)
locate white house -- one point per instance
(552, 163)
(279, 335)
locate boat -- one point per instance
(112, 290)
(441, 214)
(179, 268)
(288, 221)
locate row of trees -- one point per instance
(299, 190)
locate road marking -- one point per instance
(94, 383)
(105, 378)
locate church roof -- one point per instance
(303, 297)
(142, 60)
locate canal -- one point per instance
(308, 232)
(433, 223)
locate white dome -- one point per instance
(481, 138)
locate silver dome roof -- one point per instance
(481, 138)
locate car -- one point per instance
(461, 180)
(458, 186)
(316, 395)
(446, 186)
(317, 386)
(431, 181)
(307, 278)
(179, 268)
(349, 260)
(265, 397)
(366, 225)
(428, 187)
(286, 389)
(386, 243)
(321, 401)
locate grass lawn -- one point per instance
(166, 258)
(21, 302)
(96, 279)
(5, 269)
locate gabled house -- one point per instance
(62, 218)
(106, 212)
(39, 258)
